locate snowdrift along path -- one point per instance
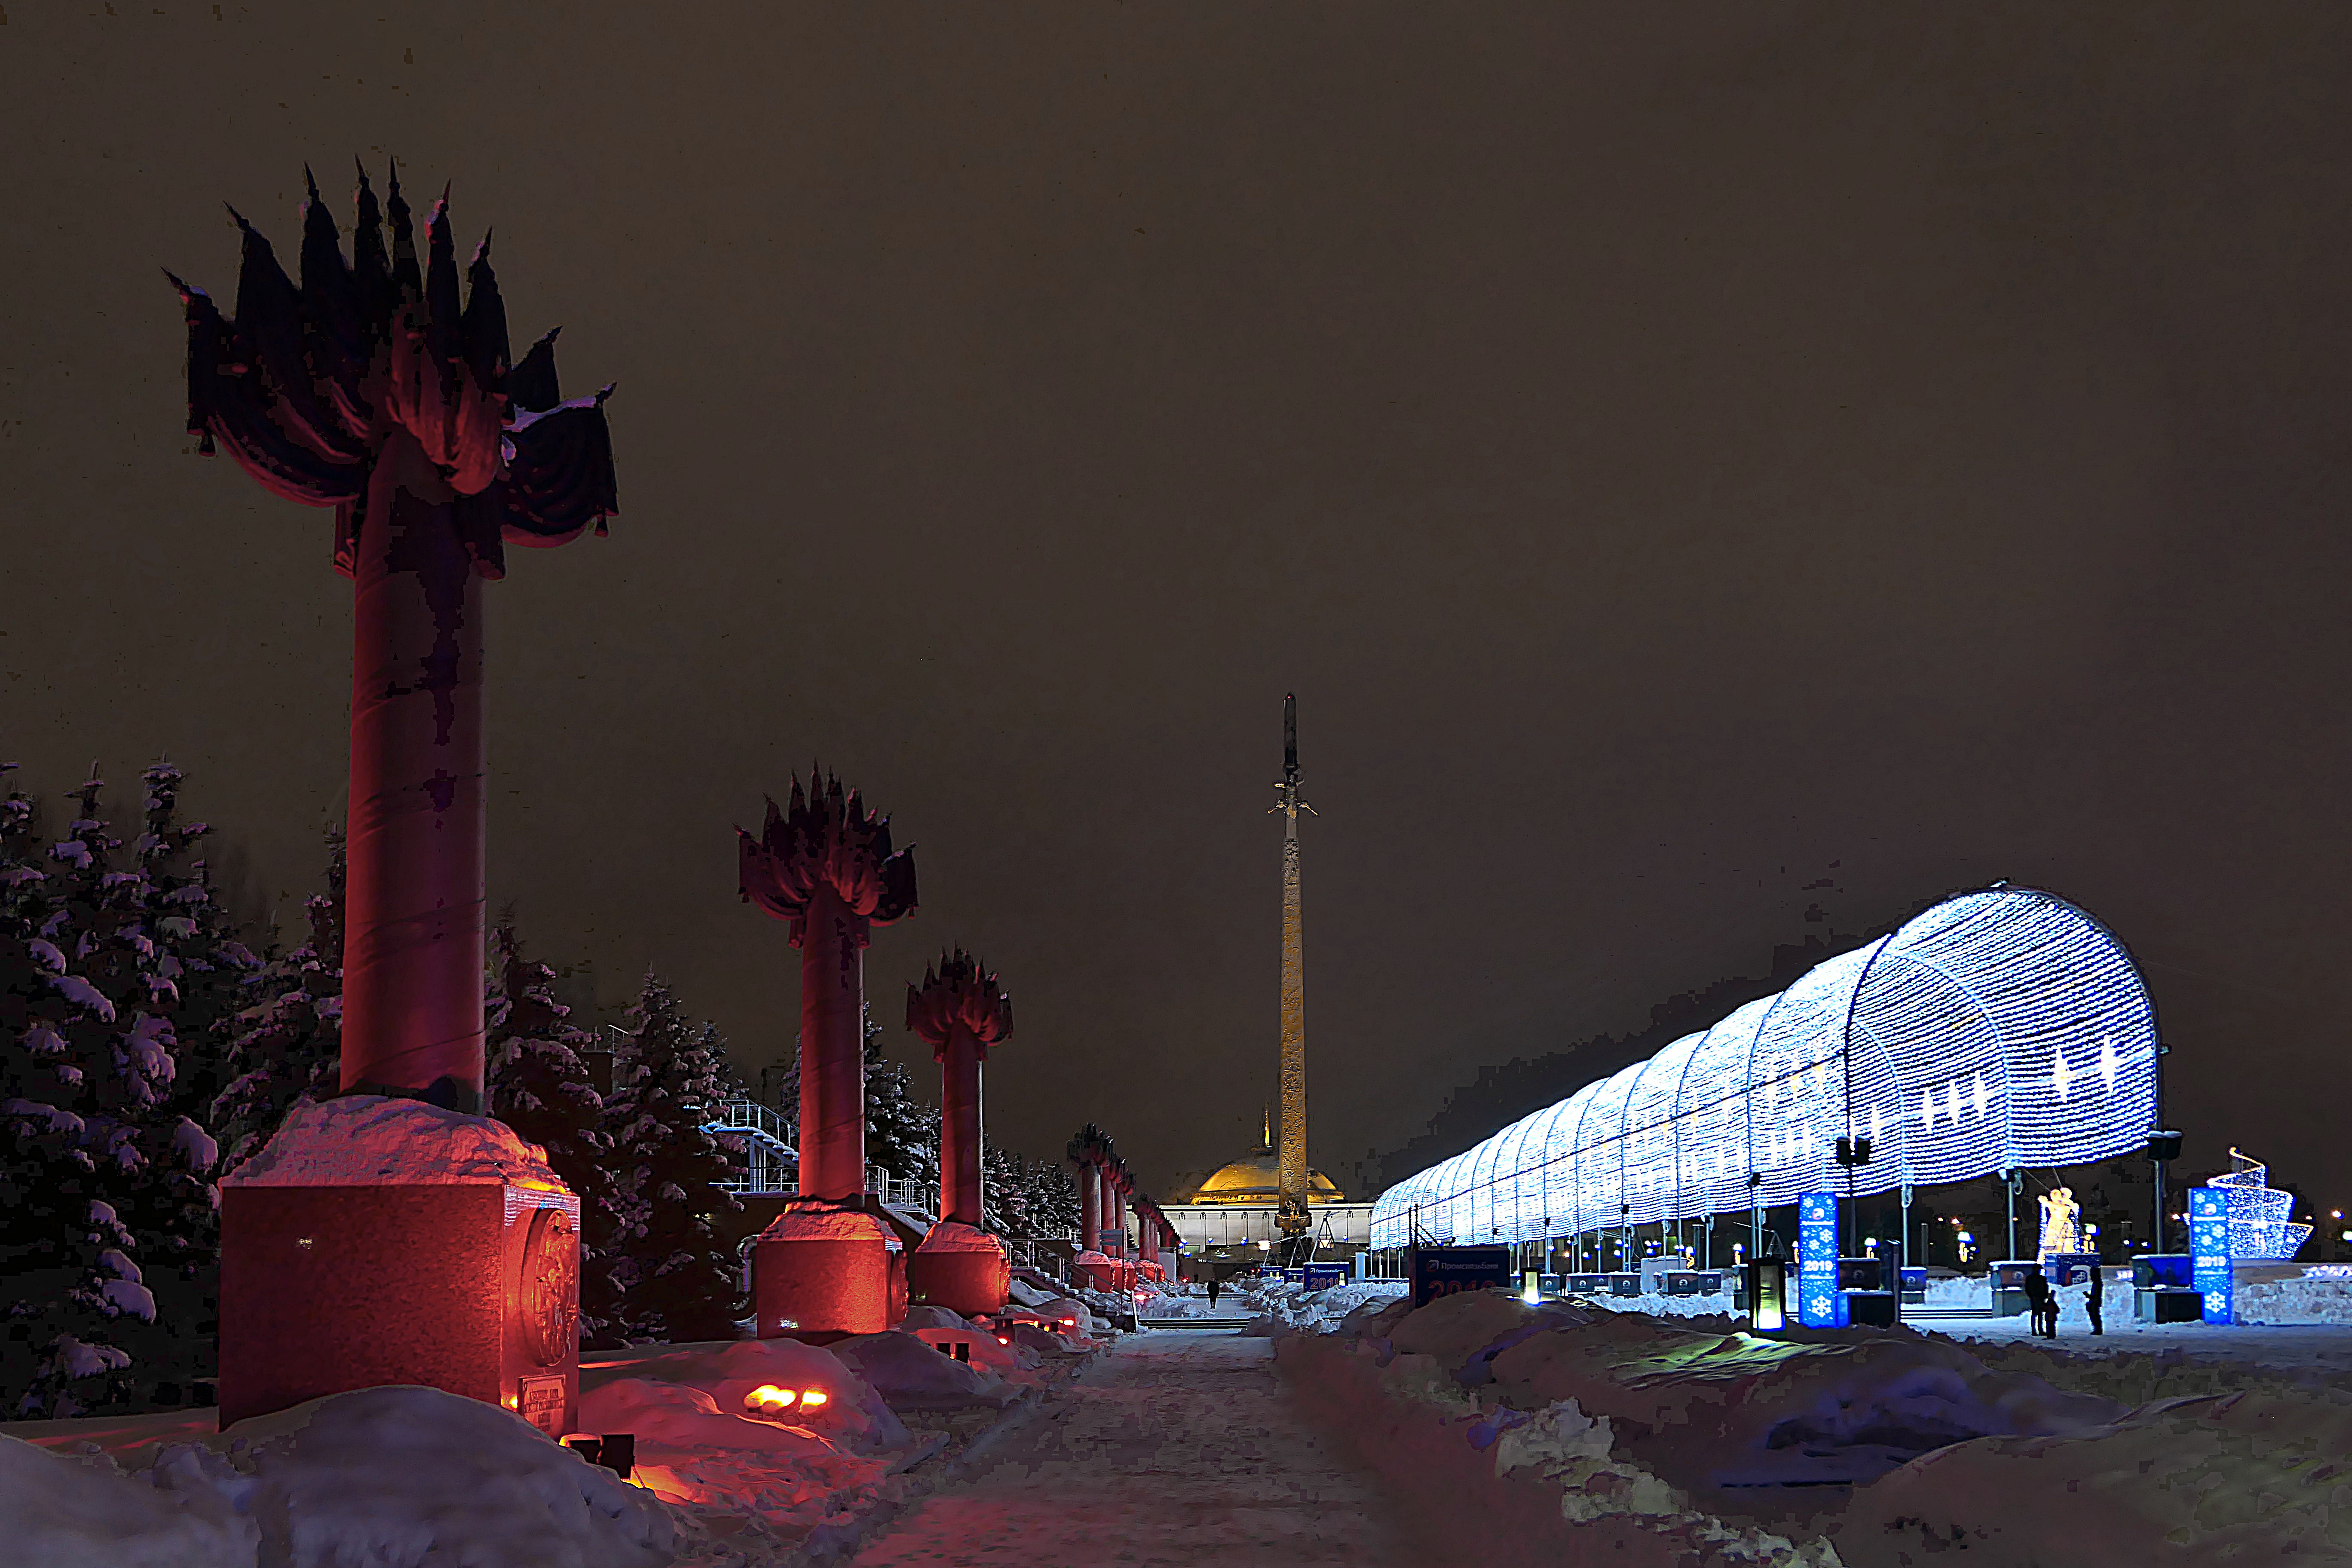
(1177, 1448)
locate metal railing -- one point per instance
(766, 1148)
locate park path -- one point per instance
(1175, 1448)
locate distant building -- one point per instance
(1234, 1205)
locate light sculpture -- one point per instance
(1817, 1260)
(1999, 1029)
(2260, 1226)
(2208, 1251)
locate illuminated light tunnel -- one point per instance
(1999, 1029)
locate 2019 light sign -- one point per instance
(1999, 1029)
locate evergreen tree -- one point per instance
(540, 1086)
(284, 1043)
(680, 1282)
(59, 1356)
(1050, 1198)
(902, 1132)
(1004, 1184)
(109, 1201)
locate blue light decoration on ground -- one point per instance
(2209, 1250)
(1999, 1029)
(2261, 1226)
(1817, 1260)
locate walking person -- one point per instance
(2092, 1303)
(1213, 1292)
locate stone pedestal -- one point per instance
(384, 1241)
(962, 1269)
(1097, 1270)
(825, 1268)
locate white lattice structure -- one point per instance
(2261, 1222)
(1999, 1029)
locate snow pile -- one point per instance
(2241, 1477)
(368, 1140)
(1715, 1410)
(1044, 1341)
(2131, 1377)
(820, 1219)
(954, 1236)
(2293, 1301)
(912, 1376)
(1711, 1409)
(75, 1512)
(1655, 1305)
(392, 1477)
(920, 1315)
(1889, 1446)
(854, 1415)
(783, 1478)
(1958, 1293)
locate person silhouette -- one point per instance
(2095, 1301)
(2041, 1305)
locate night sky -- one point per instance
(1677, 455)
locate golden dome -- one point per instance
(1256, 1178)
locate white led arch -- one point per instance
(2002, 1028)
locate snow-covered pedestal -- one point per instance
(962, 1269)
(1099, 1270)
(827, 1269)
(377, 1241)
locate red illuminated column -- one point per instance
(414, 903)
(833, 942)
(1090, 1206)
(961, 1012)
(381, 388)
(828, 1265)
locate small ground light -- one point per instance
(769, 1400)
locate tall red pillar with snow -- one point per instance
(959, 1012)
(829, 1264)
(394, 1233)
(1098, 1164)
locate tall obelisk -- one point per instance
(1293, 1217)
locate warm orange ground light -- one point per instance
(769, 1400)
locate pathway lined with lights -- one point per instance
(1177, 1448)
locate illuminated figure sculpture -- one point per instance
(2062, 1224)
(829, 1264)
(374, 389)
(959, 1012)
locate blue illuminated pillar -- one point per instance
(1817, 1254)
(2208, 1251)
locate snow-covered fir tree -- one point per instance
(902, 1128)
(1049, 1198)
(678, 1280)
(59, 1355)
(118, 968)
(284, 1042)
(541, 1086)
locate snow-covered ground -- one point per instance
(1582, 1435)
(394, 1477)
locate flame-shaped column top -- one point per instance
(826, 838)
(306, 384)
(957, 990)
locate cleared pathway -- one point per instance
(1176, 1447)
